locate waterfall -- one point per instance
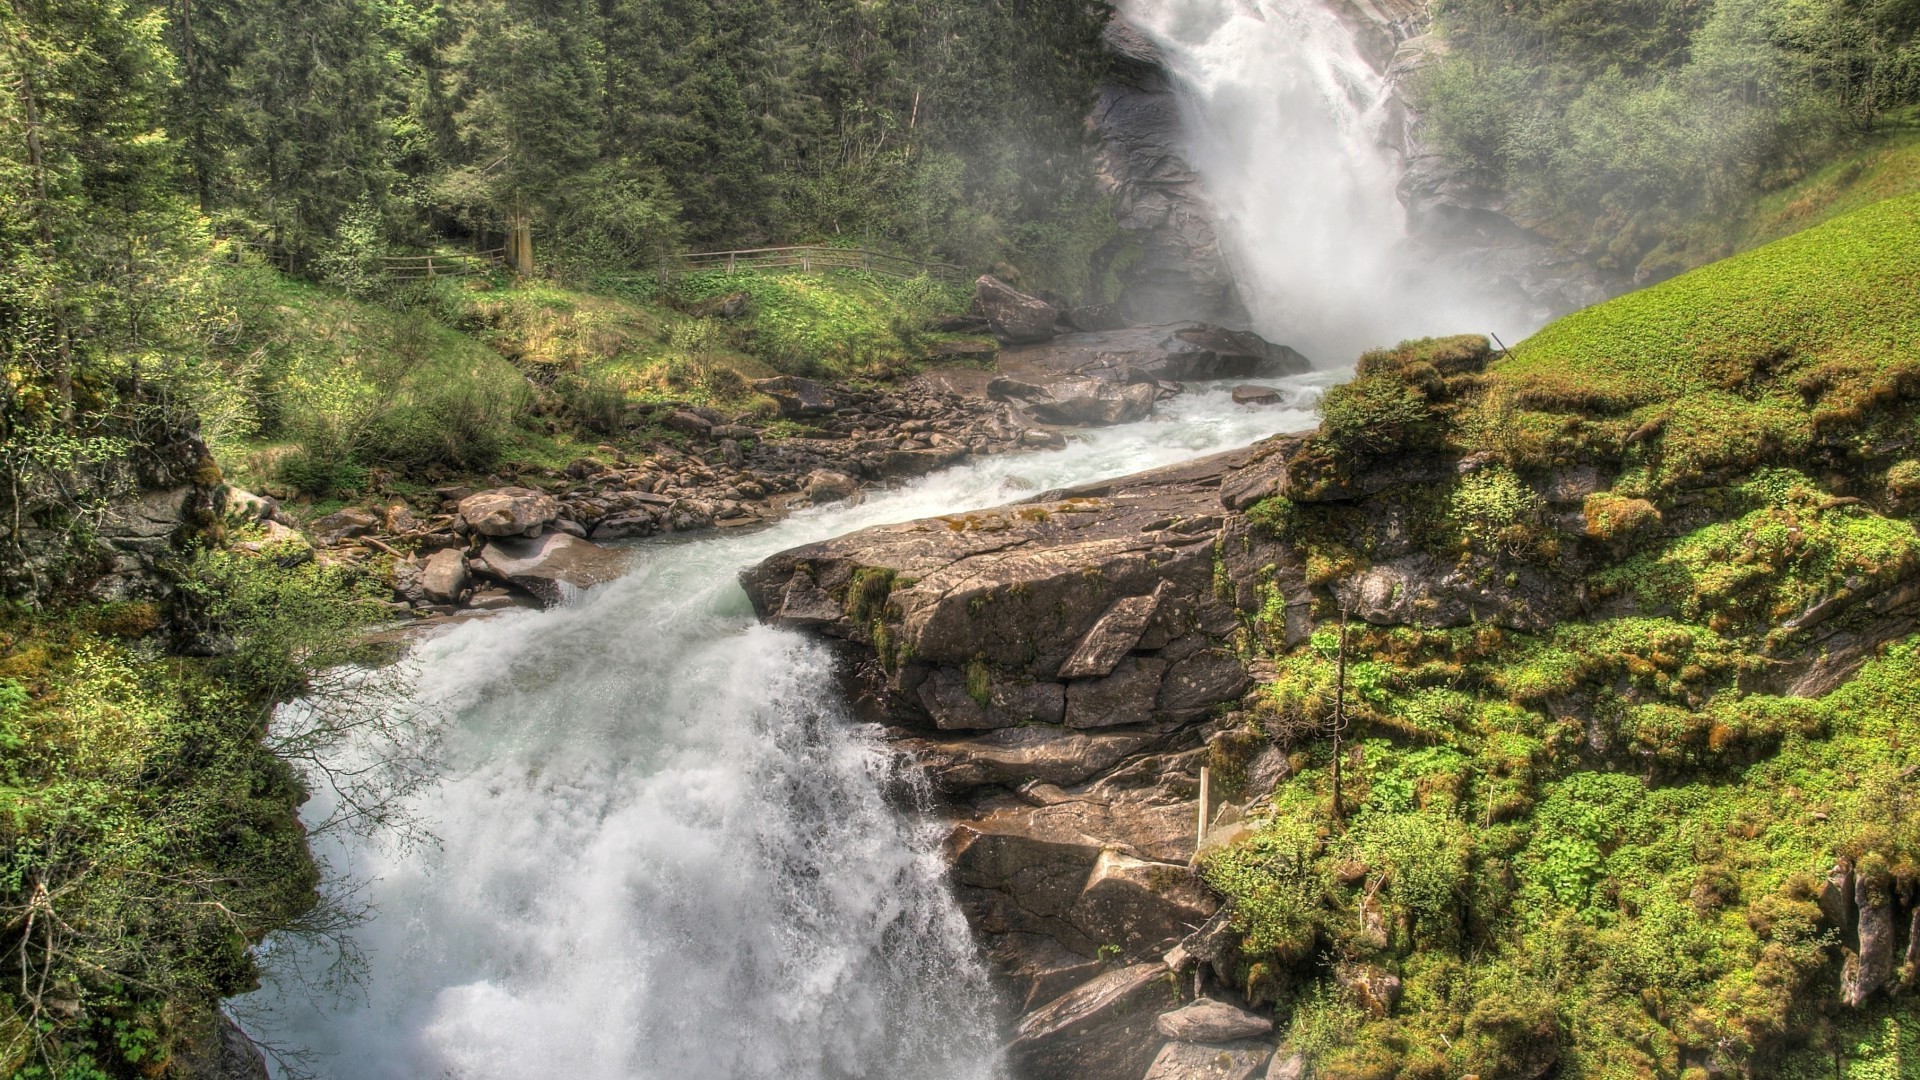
(665, 849)
(1289, 127)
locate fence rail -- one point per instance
(809, 258)
(426, 267)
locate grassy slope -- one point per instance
(456, 378)
(1593, 839)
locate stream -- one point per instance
(664, 847)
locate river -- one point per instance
(665, 848)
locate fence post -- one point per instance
(806, 263)
(729, 264)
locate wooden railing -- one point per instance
(809, 258)
(427, 267)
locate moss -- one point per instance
(979, 682)
(867, 594)
(1616, 518)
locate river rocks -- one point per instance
(1193, 1061)
(1101, 1029)
(510, 511)
(444, 579)
(826, 486)
(550, 566)
(1013, 316)
(687, 422)
(1256, 395)
(1206, 1020)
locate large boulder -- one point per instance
(1016, 755)
(1013, 316)
(1184, 352)
(1076, 401)
(798, 398)
(509, 511)
(551, 566)
(444, 579)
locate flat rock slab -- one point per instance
(1208, 1021)
(550, 566)
(1182, 352)
(1103, 1028)
(1202, 1061)
(1017, 755)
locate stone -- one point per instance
(1116, 634)
(1144, 907)
(1103, 1028)
(509, 511)
(687, 422)
(1288, 1067)
(626, 525)
(550, 566)
(1256, 395)
(1017, 755)
(1076, 401)
(950, 702)
(1013, 316)
(247, 506)
(798, 398)
(1373, 987)
(1125, 697)
(444, 578)
(826, 486)
(1205, 1020)
(1184, 352)
(344, 525)
(1200, 681)
(400, 520)
(1872, 967)
(1094, 318)
(1194, 1061)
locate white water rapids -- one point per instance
(665, 848)
(1289, 128)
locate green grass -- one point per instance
(842, 322)
(1599, 846)
(1844, 293)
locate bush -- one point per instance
(1376, 414)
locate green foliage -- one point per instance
(842, 322)
(1374, 414)
(1643, 133)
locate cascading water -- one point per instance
(1287, 124)
(665, 850)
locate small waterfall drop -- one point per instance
(1289, 125)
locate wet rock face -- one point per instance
(1013, 316)
(1162, 205)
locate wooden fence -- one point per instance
(428, 267)
(809, 258)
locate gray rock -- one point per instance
(946, 697)
(1116, 634)
(1101, 1029)
(1193, 1061)
(1074, 400)
(1208, 1021)
(1256, 395)
(1095, 318)
(1013, 316)
(1201, 681)
(1291, 1066)
(444, 578)
(344, 525)
(626, 525)
(687, 422)
(551, 565)
(1872, 968)
(509, 511)
(1016, 755)
(826, 486)
(798, 398)
(1143, 906)
(1125, 697)
(1184, 352)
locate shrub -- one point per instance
(1375, 414)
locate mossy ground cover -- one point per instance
(1597, 849)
